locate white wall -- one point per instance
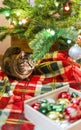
(6, 42)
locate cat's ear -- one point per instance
(22, 54)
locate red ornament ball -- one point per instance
(36, 105)
(76, 101)
(64, 95)
(72, 113)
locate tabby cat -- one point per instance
(17, 63)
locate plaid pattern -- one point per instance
(62, 71)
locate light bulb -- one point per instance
(7, 14)
(20, 22)
(67, 8)
(52, 32)
(24, 21)
(69, 41)
(18, 13)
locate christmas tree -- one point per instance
(43, 23)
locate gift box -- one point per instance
(41, 120)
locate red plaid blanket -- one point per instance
(66, 72)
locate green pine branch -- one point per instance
(46, 38)
(44, 15)
(19, 4)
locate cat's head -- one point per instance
(24, 65)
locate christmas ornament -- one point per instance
(64, 110)
(72, 113)
(75, 52)
(43, 106)
(53, 115)
(64, 95)
(76, 101)
(50, 106)
(63, 101)
(74, 95)
(44, 101)
(58, 107)
(36, 105)
(43, 110)
(32, 2)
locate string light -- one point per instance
(67, 7)
(20, 22)
(24, 21)
(7, 14)
(69, 41)
(14, 22)
(52, 32)
(18, 13)
(56, 4)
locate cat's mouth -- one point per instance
(24, 69)
(23, 72)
